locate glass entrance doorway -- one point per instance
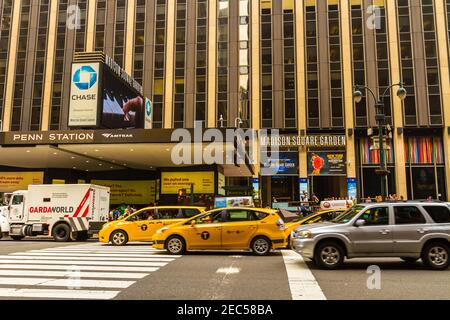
(328, 187)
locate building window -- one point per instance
(290, 108)
(5, 34)
(407, 61)
(266, 64)
(222, 62)
(425, 168)
(58, 72)
(201, 61)
(244, 62)
(180, 64)
(80, 35)
(312, 66)
(431, 61)
(119, 34)
(39, 66)
(159, 65)
(139, 41)
(19, 79)
(337, 114)
(100, 23)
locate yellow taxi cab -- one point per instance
(142, 225)
(259, 230)
(319, 216)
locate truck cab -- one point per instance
(16, 207)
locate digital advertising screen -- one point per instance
(122, 106)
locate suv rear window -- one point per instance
(408, 215)
(439, 214)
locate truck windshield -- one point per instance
(348, 215)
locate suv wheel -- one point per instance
(329, 255)
(436, 256)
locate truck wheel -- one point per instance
(119, 238)
(436, 256)
(82, 236)
(329, 255)
(61, 233)
(17, 238)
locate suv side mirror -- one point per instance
(360, 222)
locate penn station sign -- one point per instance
(315, 141)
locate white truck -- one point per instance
(64, 211)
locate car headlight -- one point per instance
(106, 225)
(304, 234)
(162, 230)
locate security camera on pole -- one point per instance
(380, 117)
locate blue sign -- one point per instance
(148, 108)
(85, 77)
(285, 165)
(352, 188)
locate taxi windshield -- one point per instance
(348, 215)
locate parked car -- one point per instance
(259, 230)
(409, 230)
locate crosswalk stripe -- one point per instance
(57, 293)
(78, 283)
(302, 283)
(81, 254)
(47, 273)
(81, 268)
(84, 257)
(86, 262)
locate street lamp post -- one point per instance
(380, 118)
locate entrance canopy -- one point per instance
(109, 150)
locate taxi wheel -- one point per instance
(176, 245)
(119, 238)
(261, 246)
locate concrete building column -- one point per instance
(300, 59)
(212, 65)
(169, 69)
(49, 65)
(129, 36)
(90, 25)
(443, 55)
(347, 76)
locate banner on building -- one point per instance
(130, 192)
(220, 184)
(84, 91)
(13, 181)
(283, 163)
(352, 188)
(332, 163)
(172, 182)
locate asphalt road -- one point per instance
(153, 275)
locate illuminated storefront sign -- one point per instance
(318, 141)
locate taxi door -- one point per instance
(238, 228)
(141, 226)
(206, 232)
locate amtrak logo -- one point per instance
(148, 108)
(85, 77)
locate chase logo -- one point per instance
(85, 77)
(148, 108)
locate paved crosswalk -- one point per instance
(86, 271)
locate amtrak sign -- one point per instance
(84, 91)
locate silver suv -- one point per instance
(409, 230)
